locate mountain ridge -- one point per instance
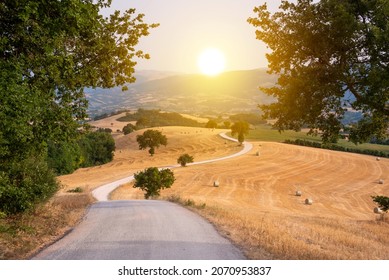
(229, 92)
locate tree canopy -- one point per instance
(241, 128)
(331, 56)
(151, 139)
(49, 52)
(185, 159)
(152, 181)
(211, 124)
(382, 201)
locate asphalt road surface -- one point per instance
(143, 230)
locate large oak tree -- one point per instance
(331, 56)
(50, 50)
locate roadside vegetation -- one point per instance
(22, 234)
(90, 149)
(184, 159)
(152, 180)
(50, 52)
(267, 235)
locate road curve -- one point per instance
(143, 230)
(102, 193)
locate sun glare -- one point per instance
(211, 62)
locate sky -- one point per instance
(187, 27)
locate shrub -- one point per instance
(63, 157)
(76, 190)
(382, 201)
(184, 159)
(127, 129)
(92, 148)
(96, 148)
(152, 181)
(26, 183)
(211, 124)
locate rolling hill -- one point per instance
(229, 92)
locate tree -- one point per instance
(151, 139)
(331, 56)
(142, 123)
(96, 148)
(128, 128)
(211, 124)
(49, 52)
(152, 180)
(63, 157)
(184, 159)
(241, 128)
(382, 201)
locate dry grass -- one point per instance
(256, 205)
(23, 235)
(274, 236)
(201, 143)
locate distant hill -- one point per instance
(230, 92)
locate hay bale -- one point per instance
(308, 201)
(216, 184)
(378, 210)
(381, 181)
(299, 193)
(378, 159)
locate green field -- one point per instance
(267, 133)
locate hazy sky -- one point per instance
(189, 26)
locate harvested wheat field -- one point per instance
(202, 143)
(256, 206)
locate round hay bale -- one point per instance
(299, 193)
(308, 201)
(378, 159)
(216, 184)
(381, 181)
(378, 210)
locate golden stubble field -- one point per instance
(255, 205)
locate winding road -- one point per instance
(143, 229)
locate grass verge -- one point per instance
(22, 235)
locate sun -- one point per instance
(211, 62)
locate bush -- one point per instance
(96, 148)
(92, 148)
(152, 181)
(127, 129)
(76, 190)
(382, 201)
(184, 159)
(63, 157)
(27, 183)
(211, 124)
